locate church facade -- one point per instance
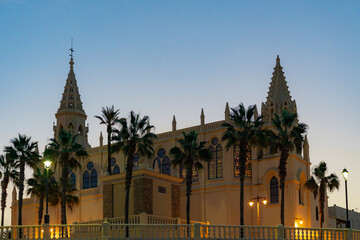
(158, 189)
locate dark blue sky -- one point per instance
(175, 57)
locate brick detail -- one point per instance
(108, 200)
(143, 195)
(175, 201)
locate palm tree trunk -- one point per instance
(129, 169)
(63, 192)
(41, 209)
(109, 148)
(282, 174)
(21, 190)
(322, 203)
(242, 163)
(4, 184)
(189, 173)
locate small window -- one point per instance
(161, 153)
(161, 189)
(86, 180)
(116, 170)
(73, 180)
(90, 166)
(165, 168)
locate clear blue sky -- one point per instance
(175, 57)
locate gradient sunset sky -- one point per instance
(162, 58)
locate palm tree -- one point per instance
(244, 132)
(63, 151)
(109, 117)
(319, 183)
(133, 138)
(8, 173)
(288, 135)
(37, 186)
(24, 152)
(189, 155)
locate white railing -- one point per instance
(197, 231)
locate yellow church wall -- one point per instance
(162, 201)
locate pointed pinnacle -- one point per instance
(278, 61)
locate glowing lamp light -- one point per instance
(251, 203)
(345, 174)
(264, 201)
(301, 222)
(47, 164)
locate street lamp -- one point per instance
(345, 174)
(251, 203)
(47, 165)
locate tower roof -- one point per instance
(71, 101)
(278, 91)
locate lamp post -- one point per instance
(345, 174)
(251, 203)
(47, 165)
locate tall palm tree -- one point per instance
(8, 173)
(23, 152)
(244, 132)
(189, 155)
(319, 183)
(109, 117)
(37, 187)
(64, 150)
(288, 135)
(133, 138)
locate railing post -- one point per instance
(143, 218)
(280, 232)
(105, 230)
(197, 235)
(348, 234)
(46, 233)
(178, 220)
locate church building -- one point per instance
(158, 189)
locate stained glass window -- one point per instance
(86, 180)
(165, 168)
(116, 170)
(93, 178)
(274, 190)
(248, 169)
(90, 166)
(112, 162)
(219, 161)
(215, 165)
(73, 180)
(211, 163)
(161, 153)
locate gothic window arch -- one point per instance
(72, 178)
(90, 176)
(182, 173)
(215, 165)
(317, 213)
(248, 169)
(162, 162)
(115, 169)
(274, 190)
(71, 127)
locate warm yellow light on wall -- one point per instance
(264, 201)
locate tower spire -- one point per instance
(279, 97)
(71, 115)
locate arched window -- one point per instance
(162, 162)
(215, 164)
(157, 165)
(248, 170)
(93, 178)
(274, 190)
(73, 180)
(81, 131)
(71, 127)
(90, 176)
(300, 195)
(211, 164)
(116, 170)
(317, 213)
(86, 180)
(165, 168)
(114, 167)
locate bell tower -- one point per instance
(278, 98)
(71, 115)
